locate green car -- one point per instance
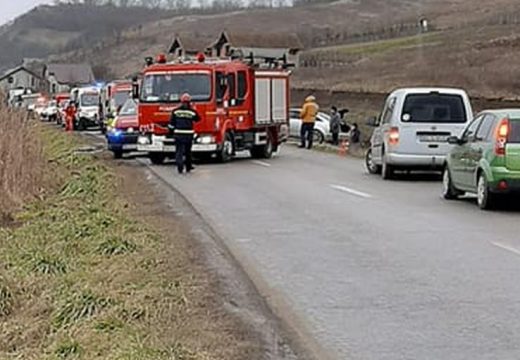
(486, 159)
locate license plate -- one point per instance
(204, 147)
(433, 138)
(129, 146)
(169, 148)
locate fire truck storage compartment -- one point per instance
(270, 100)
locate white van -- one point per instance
(413, 129)
(87, 101)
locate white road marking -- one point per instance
(261, 163)
(506, 247)
(351, 191)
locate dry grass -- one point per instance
(82, 278)
(21, 161)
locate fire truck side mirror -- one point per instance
(135, 90)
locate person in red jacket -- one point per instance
(70, 114)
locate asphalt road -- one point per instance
(375, 270)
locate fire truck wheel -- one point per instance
(264, 151)
(157, 159)
(228, 148)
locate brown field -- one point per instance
(484, 62)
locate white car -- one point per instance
(50, 113)
(39, 108)
(413, 129)
(321, 127)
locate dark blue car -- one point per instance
(122, 135)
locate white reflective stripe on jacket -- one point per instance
(183, 132)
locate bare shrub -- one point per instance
(21, 159)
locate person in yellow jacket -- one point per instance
(308, 115)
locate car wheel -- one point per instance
(118, 154)
(157, 159)
(387, 170)
(449, 192)
(485, 199)
(82, 126)
(318, 137)
(371, 166)
(228, 148)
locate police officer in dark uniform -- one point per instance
(181, 123)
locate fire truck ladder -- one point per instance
(262, 61)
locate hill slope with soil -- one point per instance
(350, 45)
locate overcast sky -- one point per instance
(9, 9)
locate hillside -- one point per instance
(363, 45)
(316, 25)
(54, 29)
(350, 45)
(471, 48)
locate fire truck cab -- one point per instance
(113, 96)
(242, 106)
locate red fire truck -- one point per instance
(243, 105)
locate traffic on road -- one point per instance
(245, 106)
(311, 217)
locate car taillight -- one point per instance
(393, 136)
(501, 137)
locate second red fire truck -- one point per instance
(243, 105)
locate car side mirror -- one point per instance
(455, 140)
(372, 121)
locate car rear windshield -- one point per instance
(129, 108)
(121, 97)
(434, 108)
(514, 135)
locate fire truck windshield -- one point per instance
(170, 87)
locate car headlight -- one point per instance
(116, 132)
(130, 130)
(143, 140)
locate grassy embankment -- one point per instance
(79, 279)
